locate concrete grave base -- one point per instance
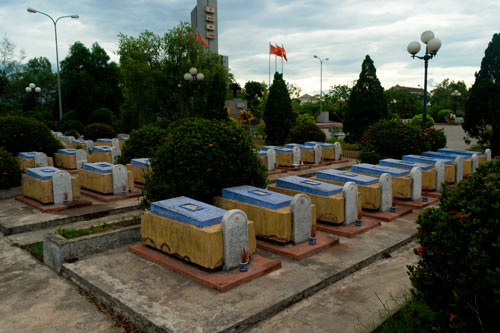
(47, 208)
(417, 204)
(433, 194)
(350, 230)
(388, 216)
(221, 281)
(277, 171)
(300, 251)
(110, 197)
(294, 168)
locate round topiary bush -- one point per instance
(305, 118)
(306, 131)
(417, 121)
(71, 125)
(435, 137)
(198, 158)
(20, 134)
(142, 143)
(458, 275)
(73, 133)
(10, 174)
(442, 115)
(98, 131)
(101, 116)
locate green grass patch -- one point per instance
(35, 249)
(413, 317)
(70, 233)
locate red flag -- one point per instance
(283, 52)
(201, 40)
(275, 50)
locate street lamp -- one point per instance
(432, 47)
(193, 76)
(31, 10)
(320, 82)
(393, 103)
(32, 87)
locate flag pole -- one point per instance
(269, 49)
(282, 60)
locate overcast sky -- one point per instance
(342, 30)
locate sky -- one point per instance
(344, 31)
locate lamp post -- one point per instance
(320, 82)
(193, 76)
(33, 88)
(432, 47)
(31, 10)
(393, 103)
(456, 95)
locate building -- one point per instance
(411, 90)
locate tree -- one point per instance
(278, 115)
(254, 93)
(367, 103)
(336, 101)
(402, 103)
(482, 110)
(442, 97)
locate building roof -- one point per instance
(411, 90)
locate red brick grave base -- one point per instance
(46, 208)
(110, 197)
(301, 251)
(433, 194)
(221, 281)
(349, 231)
(388, 216)
(417, 204)
(275, 172)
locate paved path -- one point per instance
(455, 136)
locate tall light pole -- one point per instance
(320, 82)
(31, 10)
(432, 46)
(193, 76)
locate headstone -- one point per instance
(296, 155)
(385, 182)
(71, 138)
(120, 179)
(439, 167)
(81, 158)
(89, 144)
(350, 191)
(61, 187)
(63, 144)
(338, 150)
(378, 170)
(475, 162)
(40, 160)
(416, 188)
(234, 237)
(301, 216)
(317, 153)
(115, 153)
(271, 159)
(474, 155)
(115, 143)
(459, 168)
(487, 152)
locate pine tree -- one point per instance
(278, 115)
(367, 103)
(482, 110)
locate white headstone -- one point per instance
(81, 158)
(338, 150)
(439, 167)
(89, 145)
(71, 138)
(296, 155)
(385, 183)
(115, 143)
(234, 237)
(271, 159)
(120, 179)
(301, 218)
(487, 152)
(41, 160)
(459, 169)
(115, 153)
(350, 192)
(61, 187)
(416, 183)
(63, 144)
(317, 154)
(475, 162)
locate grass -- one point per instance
(35, 249)
(70, 233)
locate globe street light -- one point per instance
(31, 10)
(320, 82)
(393, 103)
(32, 87)
(193, 76)
(432, 47)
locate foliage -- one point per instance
(402, 102)
(458, 274)
(443, 97)
(200, 157)
(98, 131)
(254, 92)
(260, 129)
(483, 106)
(35, 249)
(10, 174)
(417, 120)
(71, 125)
(142, 143)
(72, 132)
(311, 108)
(102, 115)
(21, 134)
(278, 115)
(306, 131)
(442, 116)
(336, 101)
(70, 115)
(367, 103)
(435, 137)
(246, 117)
(305, 118)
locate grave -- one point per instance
(327, 149)
(460, 162)
(33, 159)
(262, 156)
(65, 140)
(139, 167)
(122, 138)
(432, 176)
(82, 144)
(106, 154)
(270, 159)
(450, 171)
(106, 181)
(306, 152)
(70, 158)
(203, 235)
(284, 157)
(476, 157)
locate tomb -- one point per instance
(55, 134)
(106, 178)
(451, 173)
(70, 158)
(122, 138)
(106, 154)
(262, 156)
(476, 157)
(65, 140)
(463, 165)
(139, 167)
(33, 159)
(82, 144)
(306, 153)
(432, 176)
(327, 149)
(284, 156)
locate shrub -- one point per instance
(162, 123)
(435, 137)
(19, 134)
(417, 121)
(260, 130)
(101, 116)
(71, 125)
(306, 132)
(10, 174)
(305, 118)
(200, 157)
(70, 115)
(442, 115)
(458, 274)
(73, 133)
(97, 131)
(142, 143)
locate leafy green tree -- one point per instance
(444, 97)
(482, 110)
(254, 93)
(336, 101)
(402, 103)
(278, 115)
(367, 103)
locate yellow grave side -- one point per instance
(284, 159)
(307, 156)
(449, 173)
(328, 153)
(401, 186)
(101, 182)
(65, 161)
(99, 156)
(41, 190)
(138, 172)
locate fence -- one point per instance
(351, 153)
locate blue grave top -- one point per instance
(123, 135)
(103, 149)
(391, 162)
(308, 185)
(283, 150)
(43, 173)
(189, 211)
(27, 154)
(459, 152)
(123, 138)
(62, 137)
(446, 156)
(322, 144)
(257, 196)
(100, 167)
(378, 170)
(261, 152)
(344, 177)
(301, 147)
(79, 142)
(104, 140)
(424, 159)
(142, 162)
(266, 148)
(67, 151)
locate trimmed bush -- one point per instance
(73, 133)
(200, 157)
(10, 174)
(142, 143)
(71, 125)
(70, 115)
(435, 137)
(458, 274)
(305, 118)
(306, 132)
(101, 116)
(20, 134)
(442, 115)
(98, 131)
(417, 121)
